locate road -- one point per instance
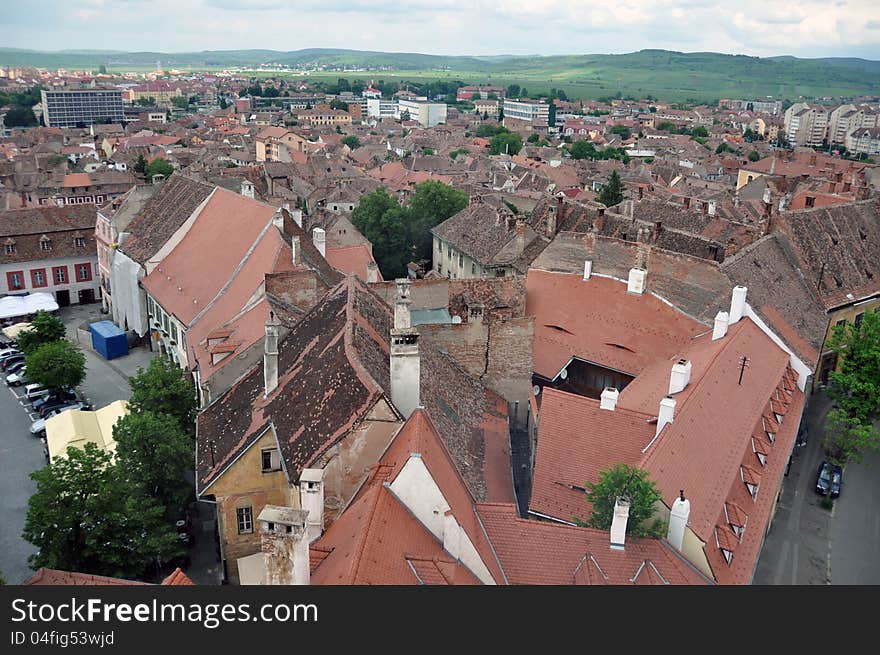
(810, 545)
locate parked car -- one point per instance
(52, 395)
(48, 408)
(14, 367)
(34, 390)
(8, 356)
(836, 481)
(9, 361)
(18, 378)
(38, 427)
(823, 479)
(9, 351)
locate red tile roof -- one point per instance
(55, 577)
(352, 260)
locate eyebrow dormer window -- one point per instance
(45, 244)
(79, 242)
(10, 248)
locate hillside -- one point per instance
(662, 73)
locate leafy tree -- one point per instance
(723, 147)
(855, 386)
(486, 131)
(140, 166)
(754, 155)
(524, 93)
(459, 151)
(20, 117)
(155, 453)
(102, 69)
(427, 151)
(533, 138)
(158, 167)
(666, 126)
(431, 203)
(848, 437)
(380, 219)
(700, 131)
(45, 327)
(507, 142)
(56, 364)
(581, 149)
(632, 483)
(513, 91)
(352, 141)
(612, 192)
(223, 103)
(181, 102)
(165, 388)
(150, 101)
(622, 130)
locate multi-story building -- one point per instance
(378, 108)
(772, 107)
(428, 114)
(161, 92)
(864, 140)
(536, 112)
(806, 125)
(489, 108)
(49, 249)
(82, 107)
(847, 118)
(276, 144)
(323, 115)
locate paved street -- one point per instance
(810, 545)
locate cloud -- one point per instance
(810, 28)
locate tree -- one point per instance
(102, 70)
(379, 218)
(165, 388)
(632, 483)
(490, 130)
(754, 155)
(612, 192)
(506, 142)
(723, 147)
(223, 103)
(181, 102)
(158, 167)
(622, 130)
(352, 141)
(140, 166)
(513, 91)
(700, 131)
(155, 454)
(45, 327)
(56, 364)
(533, 138)
(855, 385)
(848, 438)
(581, 149)
(20, 117)
(431, 203)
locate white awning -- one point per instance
(14, 306)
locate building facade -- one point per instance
(531, 111)
(428, 114)
(82, 107)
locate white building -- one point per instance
(806, 125)
(428, 114)
(847, 118)
(378, 108)
(536, 112)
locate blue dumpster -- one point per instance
(108, 339)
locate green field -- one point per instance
(672, 76)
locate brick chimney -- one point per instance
(270, 355)
(658, 229)
(520, 235)
(319, 238)
(372, 272)
(618, 523)
(311, 494)
(599, 221)
(405, 361)
(737, 303)
(678, 519)
(284, 545)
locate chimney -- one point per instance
(599, 221)
(641, 192)
(636, 282)
(270, 355)
(311, 499)
(520, 235)
(678, 520)
(704, 207)
(712, 207)
(554, 218)
(296, 251)
(721, 322)
(687, 203)
(737, 303)
(405, 361)
(297, 216)
(609, 398)
(812, 160)
(247, 189)
(680, 377)
(588, 268)
(618, 523)
(319, 238)
(284, 545)
(372, 273)
(666, 415)
(658, 228)
(475, 313)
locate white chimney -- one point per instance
(712, 206)
(297, 216)
(405, 361)
(618, 523)
(588, 268)
(637, 279)
(311, 494)
(284, 545)
(372, 272)
(737, 304)
(720, 329)
(319, 238)
(666, 415)
(247, 189)
(295, 251)
(678, 519)
(680, 377)
(270, 355)
(608, 400)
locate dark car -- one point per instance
(823, 479)
(54, 396)
(10, 357)
(48, 408)
(15, 366)
(836, 481)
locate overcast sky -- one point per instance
(804, 28)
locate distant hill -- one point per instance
(662, 73)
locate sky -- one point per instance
(804, 28)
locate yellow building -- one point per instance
(75, 428)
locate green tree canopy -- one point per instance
(155, 454)
(140, 166)
(490, 130)
(380, 219)
(700, 131)
(158, 167)
(352, 141)
(165, 388)
(612, 191)
(431, 203)
(848, 438)
(509, 143)
(56, 364)
(622, 130)
(855, 386)
(634, 484)
(45, 327)
(754, 155)
(20, 117)
(723, 147)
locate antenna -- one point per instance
(743, 365)
(821, 274)
(211, 443)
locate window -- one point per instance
(10, 248)
(38, 277)
(460, 260)
(449, 251)
(79, 242)
(245, 517)
(45, 244)
(811, 201)
(271, 460)
(439, 269)
(473, 269)
(15, 280)
(59, 273)
(859, 318)
(83, 272)
(841, 322)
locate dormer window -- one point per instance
(10, 247)
(45, 243)
(736, 518)
(725, 543)
(758, 450)
(79, 242)
(752, 479)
